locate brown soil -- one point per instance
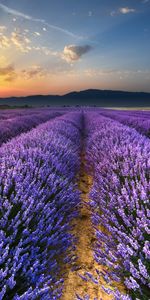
(84, 232)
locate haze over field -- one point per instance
(54, 47)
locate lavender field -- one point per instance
(74, 204)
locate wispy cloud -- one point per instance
(73, 53)
(33, 71)
(126, 10)
(10, 73)
(122, 10)
(37, 33)
(2, 28)
(21, 42)
(7, 73)
(4, 41)
(19, 14)
(92, 72)
(16, 39)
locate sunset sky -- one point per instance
(53, 47)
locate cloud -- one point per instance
(73, 53)
(50, 52)
(34, 71)
(126, 10)
(17, 39)
(2, 28)
(46, 51)
(122, 10)
(145, 1)
(6, 70)
(8, 73)
(37, 33)
(19, 14)
(21, 42)
(4, 42)
(115, 73)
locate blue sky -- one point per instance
(59, 46)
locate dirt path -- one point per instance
(85, 263)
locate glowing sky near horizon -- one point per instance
(53, 47)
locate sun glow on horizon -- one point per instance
(55, 53)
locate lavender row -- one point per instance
(12, 127)
(139, 114)
(18, 112)
(119, 159)
(140, 122)
(6, 114)
(38, 199)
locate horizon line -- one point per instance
(73, 91)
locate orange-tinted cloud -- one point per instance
(73, 53)
(7, 73)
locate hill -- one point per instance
(91, 97)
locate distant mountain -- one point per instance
(91, 97)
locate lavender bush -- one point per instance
(138, 120)
(38, 199)
(18, 112)
(119, 159)
(14, 126)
